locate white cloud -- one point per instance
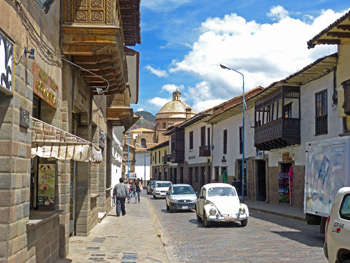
(140, 109)
(264, 53)
(277, 13)
(172, 87)
(157, 72)
(158, 102)
(163, 5)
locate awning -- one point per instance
(51, 142)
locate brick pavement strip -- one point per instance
(130, 238)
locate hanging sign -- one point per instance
(44, 87)
(7, 65)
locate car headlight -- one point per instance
(212, 211)
(242, 210)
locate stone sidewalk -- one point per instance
(281, 210)
(131, 238)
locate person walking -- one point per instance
(137, 190)
(120, 192)
(131, 190)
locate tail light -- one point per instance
(327, 223)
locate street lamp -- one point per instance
(243, 175)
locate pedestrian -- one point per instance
(131, 190)
(120, 192)
(137, 190)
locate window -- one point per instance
(321, 113)
(288, 111)
(240, 140)
(191, 140)
(203, 136)
(225, 142)
(164, 125)
(159, 157)
(143, 143)
(345, 208)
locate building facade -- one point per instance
(55, 125)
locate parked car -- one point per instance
(219, 202)
(337, 239)
(180, 197)
(160, 189)
(150, 186)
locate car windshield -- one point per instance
(163, 184)
(221, 191)
(182, 190)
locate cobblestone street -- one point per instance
(267, 238)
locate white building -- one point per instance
(142, 165)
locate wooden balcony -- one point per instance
(119, 112)
(177, 154)
(204, 151)
(92, 34)
(277, 134)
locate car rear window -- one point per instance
(345, 208)
(163, 184)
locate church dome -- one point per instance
(175, 109)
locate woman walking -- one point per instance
(137, 190)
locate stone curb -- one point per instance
(277, 213)
(160, 233)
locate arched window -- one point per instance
(164, 125)
(143, 143)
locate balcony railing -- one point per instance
(204, 151)
(277, 134)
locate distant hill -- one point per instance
(148, 120)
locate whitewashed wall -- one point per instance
(192, 155)
(117, 155)
(142, 161)
(232, 125)
(307, 125)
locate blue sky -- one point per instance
(184, 41)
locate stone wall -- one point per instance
(43, 240)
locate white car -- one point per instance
(337, 241)
(219, 202)
(180, 197)
(160, 189)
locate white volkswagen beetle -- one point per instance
(219, 202)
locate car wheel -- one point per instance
(206, 223)
(167, 207)
(244, 222)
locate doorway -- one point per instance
(261, 180)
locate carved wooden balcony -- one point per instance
(92, 34)
(119, 112)
(177, 154)
(277, 134)
(204, 151)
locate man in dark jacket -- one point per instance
(120, 192)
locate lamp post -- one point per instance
(243, 174)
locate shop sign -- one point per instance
(44, 87)
(286, 157)
(7, 65)
(259, 155)
(46, 179)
